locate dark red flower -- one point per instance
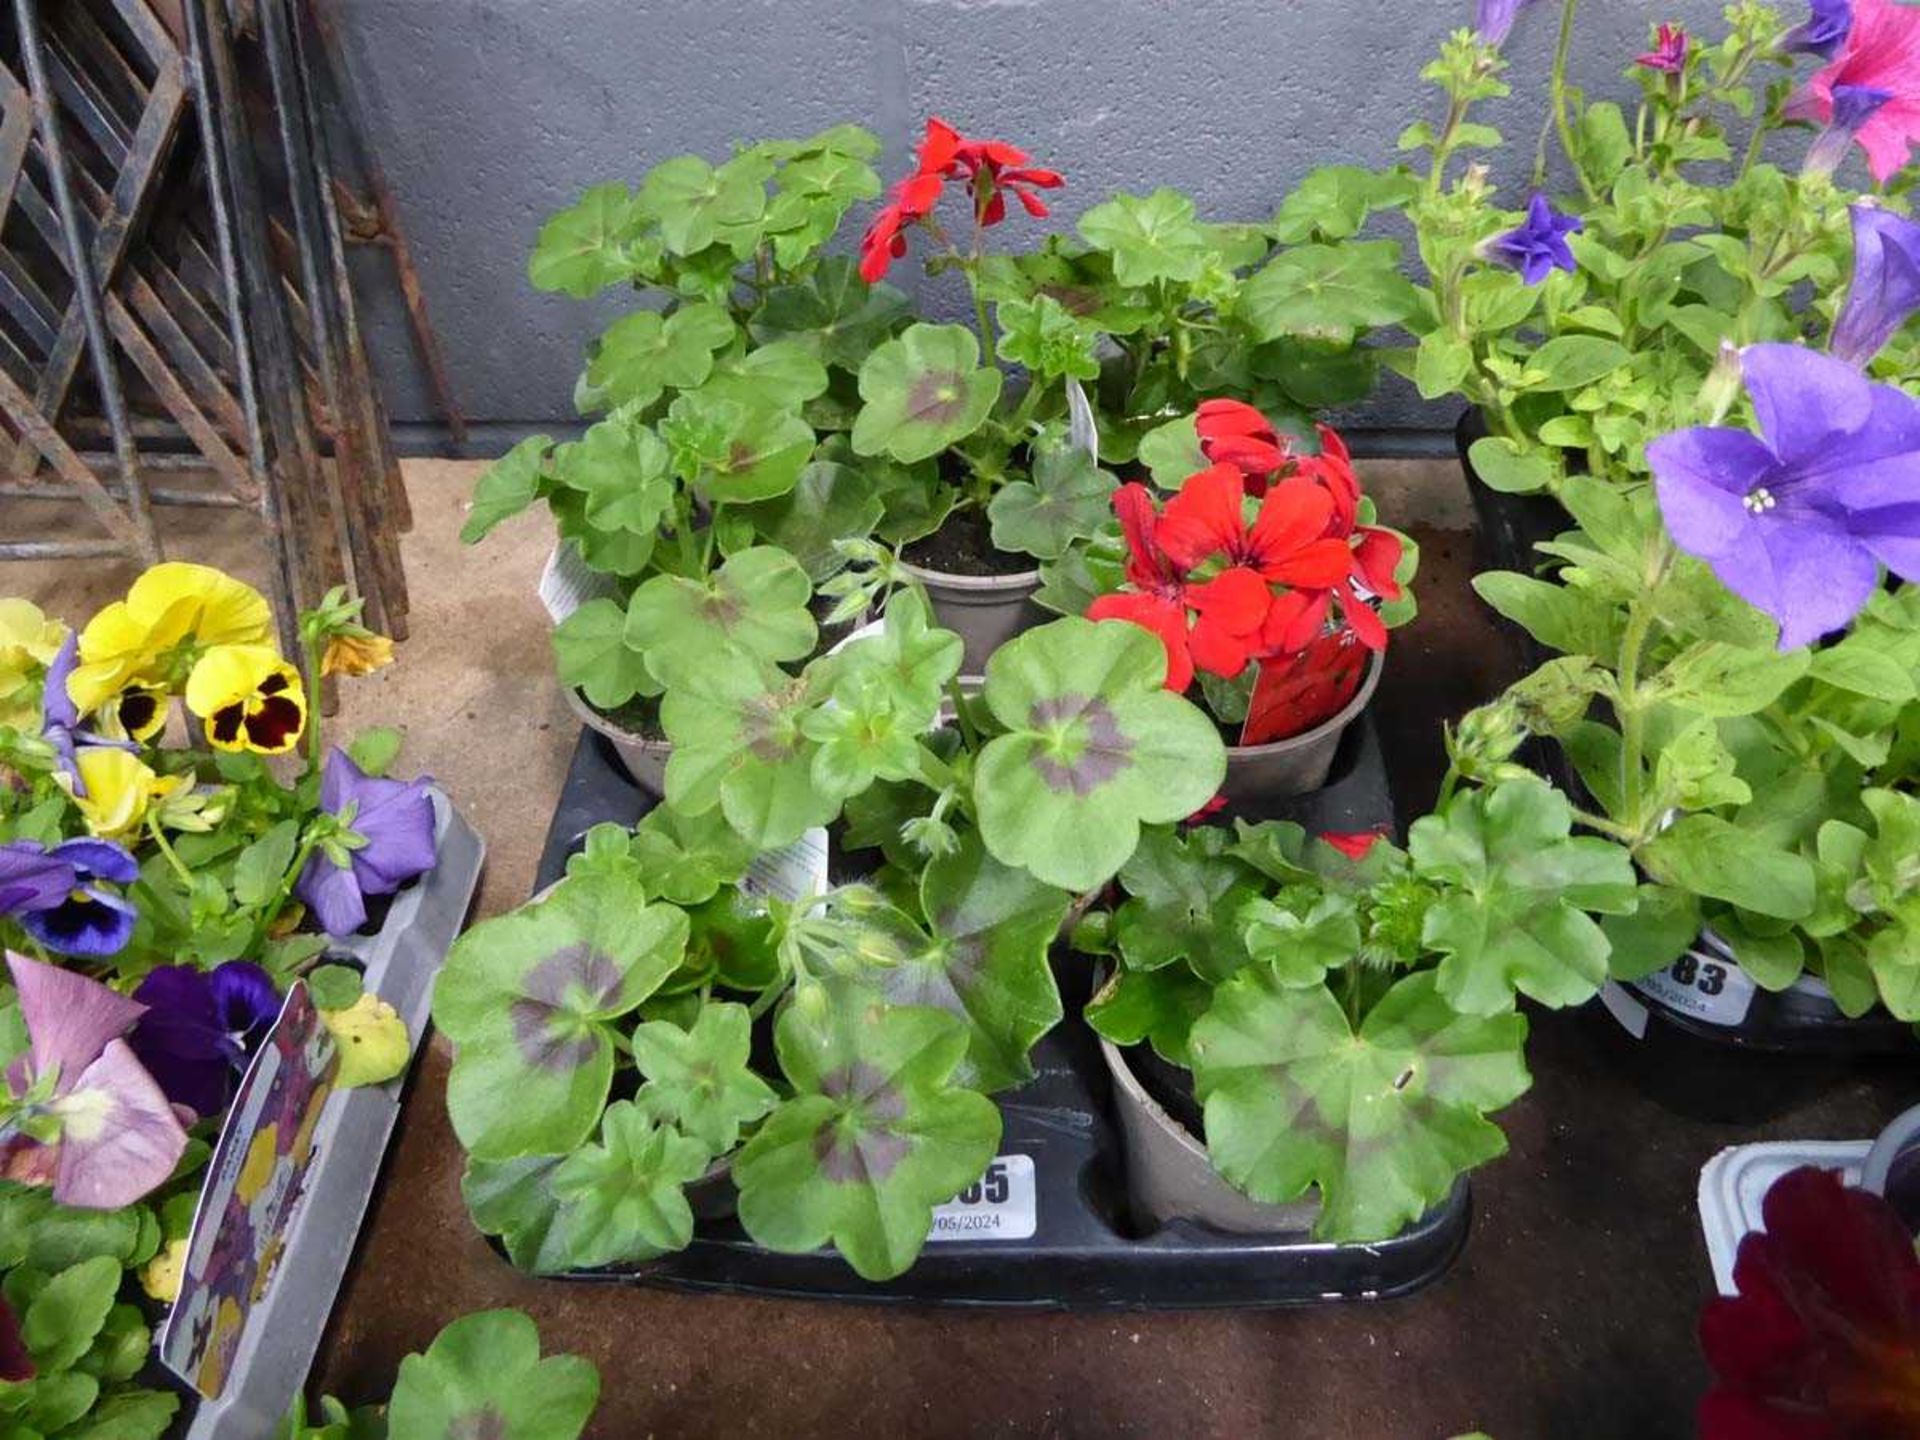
(1234, 433)
(16, 1365)
(1823, 1340)
(1353, 845)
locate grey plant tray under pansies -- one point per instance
(282, 1330)
(1049, 1225)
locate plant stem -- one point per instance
(1557, 97)
(174, 861)
(987, 345)
(1443, 145)
(964, 715)
(313, 705)
(1631, 709)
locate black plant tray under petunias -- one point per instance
(1065, 1237)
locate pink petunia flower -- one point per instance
(1881, 55)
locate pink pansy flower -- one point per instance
(1881, 54)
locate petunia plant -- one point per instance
(1263, 575)
(1346, 1008)
(1582, 314)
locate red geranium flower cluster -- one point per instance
(1222, 590)
(992, 169)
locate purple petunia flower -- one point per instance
(1669, 54)
(1822, 31)
(201, 1028)
(1798, 519)
(1853, 106)
(1886, 284)
(115, 1135)
(1539, 243)
(394, 821)
(1493, 19)
(59, 896)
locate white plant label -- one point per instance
(1710, 988)
(792, 872)
(569, 582)
(1081, 429)
(1000, 1205)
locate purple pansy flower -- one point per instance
(1886, 283)
(1539, 243)
(59, 896)
(60, 717)
(1669, 54)
(1798, 519)
(201, 1028)
(1823, 30)
(1493, 19)
(394, 820)
(117, 1136)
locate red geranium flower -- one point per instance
(991, 168)
(885, 240)
(1157, 602)
(1354, 845)
(1287, 542)
(1234, 433)
(1823, 1340)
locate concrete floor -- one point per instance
(1570, 1315)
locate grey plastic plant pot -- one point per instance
(1259, 776)
(1169, 1176)
(398, 963)
(1892, 1166)
(985, 611)
(644, 759)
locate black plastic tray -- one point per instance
(1086, 1251)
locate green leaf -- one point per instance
(699, 1080)
(1891, 958)
(129, 1415)
(1333, 202)
(376, 748)
(1774, 961)
(875, 1136)
(1300, 949)
(624, 1199)
(507, 487)
(528, 1000)
(584, 248)
(1569, 362)
(1856, 666)
(261, 867)
(780, 375)
(1574, 622)
(483, 1376)
(59, 1323)
(737, 743)
(644, 354)
(686, 859)
(1047, 338)
(693, 201)
(834, 313)
(37, 1231)
(1156, 1006)
(753, 607)
(1068, 499)
(591, 653)
(620, 469)
(53, 1402)
(1150, 238)
(335, 987)
(1711, 677)
(1441, 364)
(1095, 747)
(1504, 466)
(736, 451)
(1708, 856)
(828, 502)
(1184, 903)
(1383, 1121)
(1328, 290)
(514, 1199)
(1660, 928)
(1512, 913)
(1171, 452)
(923, 392)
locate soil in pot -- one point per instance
(963, 545)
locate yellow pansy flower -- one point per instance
(119, 788)
(173, 612)
(250, 698)
(373, 1041)
(160, 1277)
(28, 643)
(138, 712)
(356, 654)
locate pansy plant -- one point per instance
(1347, 1008)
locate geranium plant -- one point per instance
(1346, 1007)
(1263, 575)
(604, 1035)
(1582, 320)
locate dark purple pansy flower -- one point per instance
(115, 1135)
(1798, 519)
(1669, 54)
(1886, 284)
(200, 1029)
(394, 819)
(88, 919)
(1823, 30)
(1493, 19)
(1538, 244)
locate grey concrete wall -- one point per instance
(489, 114)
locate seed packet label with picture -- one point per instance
(1710, 988)
(569, 582)
(791, 872)
(254, 1183)
(1000, 1205)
